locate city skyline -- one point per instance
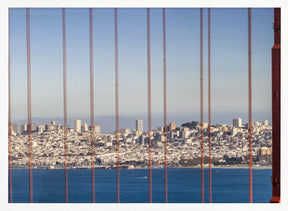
(78, 125)
(228, 96)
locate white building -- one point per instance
(97, 129)
(24, 128)
(85, 127)
(139, 125)
(41, 128)
(77, 126)
(237, 122)
(266, 123)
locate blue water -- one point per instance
(184, 185)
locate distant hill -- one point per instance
(191, 125)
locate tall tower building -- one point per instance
(171, 126)
(24, 128)
(265, 123)
(85, 127)
(237, 122)
(77, 126)
(139, 125)
(41, 128)
(97, 129)
(15, 128)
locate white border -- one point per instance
(137, 3)
(145, 3)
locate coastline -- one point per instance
(156, 167)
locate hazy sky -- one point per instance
(229, 59)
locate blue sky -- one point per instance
(229, 59)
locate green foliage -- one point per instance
(191, 125)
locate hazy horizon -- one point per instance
(107, 123)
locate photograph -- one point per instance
(142, 104)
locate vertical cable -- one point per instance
(149, 103)
(117, 102)
(65, 104)
(250, 108)
(29, 104)
(165, 105)
(209, 103)
(9, 123)
(92, 106)
(201, 106)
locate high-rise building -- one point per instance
(13, 132)
(77, 126)
(15, 128)
(24, 128)
(139, 125)
(237, 122)
(97, 129)
(85, 127)
(41, 128)
(172, 126)
(265, 123)
(33, 127)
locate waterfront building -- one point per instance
(265, 151)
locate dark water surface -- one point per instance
(184, 185)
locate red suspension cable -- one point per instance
(117, 103)
(29, 104)
(201, 105)
(149, 103)
(165, 105)
(250, 108)
(209, 103)
(92, 106)
(65, 103)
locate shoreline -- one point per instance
(192, 167)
